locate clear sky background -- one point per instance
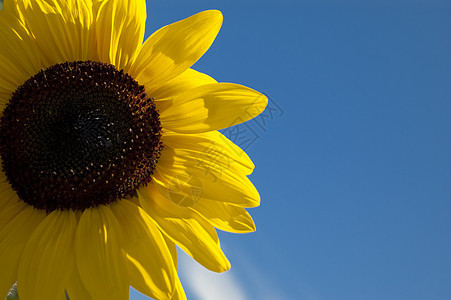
(353, 158)
(353, 162)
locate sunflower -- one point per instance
(110, 151)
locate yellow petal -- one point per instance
(212, 107)
(174, 48)
(183, 82)
(63, 29)
(179, 293)
(186, 177)
(96, 5)
(225, 216)
(220, 157)
(149, 260)
(99, 257)
(5, 190)
(10, 6)
(120, 31)
(192, 233)
(48, 259)
(19, 56)
(212, 146)
(10, 208)
(172, 249)
(3, 178)
(75, 288)
(13, 238)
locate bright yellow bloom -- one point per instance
(104, 171)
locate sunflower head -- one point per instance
(110, 152)
(77, 135)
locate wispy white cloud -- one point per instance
(261, 283)
(245, 281)
(207, 285)
(265, 289)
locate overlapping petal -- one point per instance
(13, 239)
(179, 293)
(99, 256)
(187, 175)
(214, 147)
(10, 6)
(149, 260)
(212, 107)
(62, 30)
(186, 81)
(225, 216)
(19, 55)
(216, 167)
(48, 259)
(10, 206)
(174, 48)
(120, 31)
(192, 233)
(75, 288)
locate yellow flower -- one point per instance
(110, 151)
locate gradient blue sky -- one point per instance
(353, 156)
(353, 163)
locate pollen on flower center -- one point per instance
(77, 135)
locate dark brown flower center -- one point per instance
(77, 135)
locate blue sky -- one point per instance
(353, 163)
(352, 157)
